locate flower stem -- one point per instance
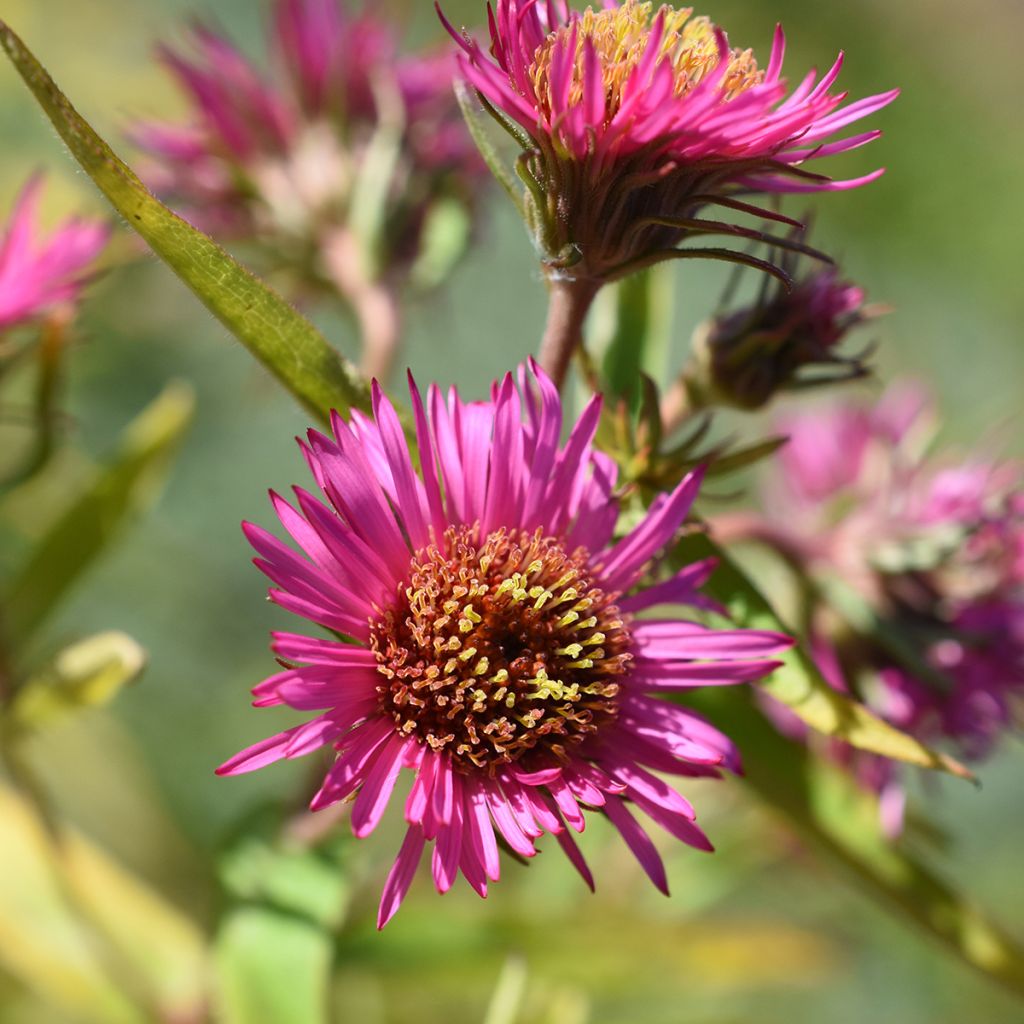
(568, 304)
(372, 302)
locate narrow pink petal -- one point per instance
(377, 787)
(641, 783)
(675, 640)
(626, 560)
(401, 875)
(448, 848)
(411, 503)
(442, 799)
(567, 805)
(428, 465)
(653, 675)
(346, 773)
(508, 824)
(418, 801)
(479, 826)
(680, 589)
(318, 651)
(681, 826)
(638, 841)
(259, 754)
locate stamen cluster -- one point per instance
(498, 649)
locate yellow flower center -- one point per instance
(620, 37)
(500, 647)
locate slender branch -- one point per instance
(372, 302)
(678, 404)
(740, 527)
(568, 304)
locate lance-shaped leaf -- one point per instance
(470, 103)
(89, 673)
(287, 344)
(120, 490)
(837, 818)
(798, 683)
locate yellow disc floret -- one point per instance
(500, 646)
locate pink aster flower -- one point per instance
(634, 120)
(490, 635)
(39, 276)
(933, 550)
(295, 150)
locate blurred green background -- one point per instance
(761, 932)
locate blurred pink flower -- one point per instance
(279, 150)
(40, 275)
(634, 120)
(492, 647)
(934, 549)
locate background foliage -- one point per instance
(762, 932)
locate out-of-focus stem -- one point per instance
(372, 302)
(50, 352)
(677, 405)
(747, 527)
(568, 304)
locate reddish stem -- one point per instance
(568, 304)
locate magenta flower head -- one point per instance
(337, 136)
(785, 340)
(932, 551)
(42, 276)
(490, 635)
(633, 120)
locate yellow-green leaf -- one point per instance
(277, 334)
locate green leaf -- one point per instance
(272, 968)
(375, 180)
(798, 683)
(121, 490)
(842, 821)
(474, 117)
(282, 339)
(446, 236)
(89, 673)
(635, 316)
(264, 863)
(743, 458)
